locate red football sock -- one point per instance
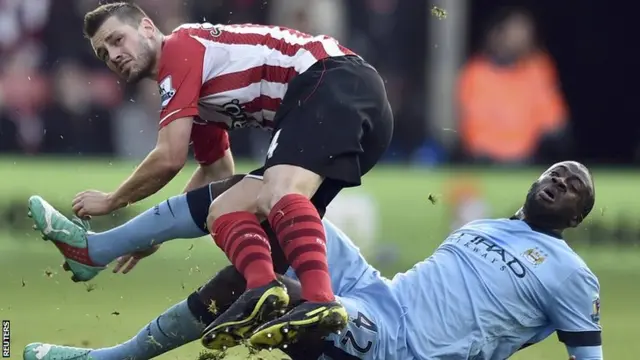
(246, 245)
(299, 229)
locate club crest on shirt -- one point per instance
(534, 256)
(166, 91)
(595, 312)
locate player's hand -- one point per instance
(127, 262)
(92, 203)
(572, 357)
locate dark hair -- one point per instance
(500, 17)
(124, 11)
(504, 14)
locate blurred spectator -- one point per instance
(21, 22)
(136, 122)
(465, 199)
(326, 17)
(167, 14)
(77, 121)
(509, 96)
(229, 11)
(23, 94)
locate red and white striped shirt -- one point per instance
(232, 76)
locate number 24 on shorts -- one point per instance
(365, 329)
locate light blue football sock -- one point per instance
(171, 219)
(174, 328)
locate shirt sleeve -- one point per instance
(209, 142)
(180, 77)
(575, 313)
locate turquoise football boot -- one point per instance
(69, 236)
(40, 351)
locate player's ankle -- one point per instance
(200, 311)
(319, 297)
(264, 279)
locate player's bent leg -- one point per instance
(181, 324)
(179, 217)
(178, 326)
(237, 231)
(297, 223)
(286, 200)
(87, 253)
(68, 236)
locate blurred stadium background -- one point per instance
(485, 97)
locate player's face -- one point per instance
(128, 51)
(557, 199)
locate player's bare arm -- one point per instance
(161, 165)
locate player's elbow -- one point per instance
(172, 162)
(175, 164)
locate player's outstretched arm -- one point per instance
(161, 165)
(575, 312)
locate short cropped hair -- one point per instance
(125, 11)
(591, 200)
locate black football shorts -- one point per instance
(335, 120)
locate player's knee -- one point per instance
(265, 202)
(211, 216)
(217, 209)
(283, 180)
(240, 197)
(269, 197)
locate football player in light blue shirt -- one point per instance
(496, 286)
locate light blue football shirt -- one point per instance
(495, 286)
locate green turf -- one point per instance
(44, 305)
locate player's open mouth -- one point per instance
(547, 195)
